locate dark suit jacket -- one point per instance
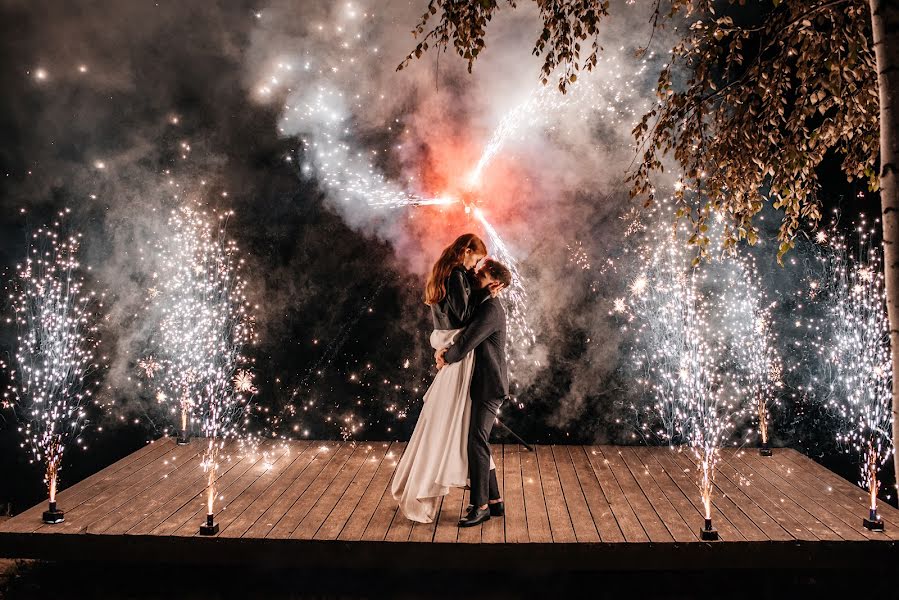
(486, 335)
(462, 298)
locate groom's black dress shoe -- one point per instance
(497, 509)
(476, 516)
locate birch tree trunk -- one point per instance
(885, 28)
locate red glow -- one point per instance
(445, 172)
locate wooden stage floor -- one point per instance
(324, 504)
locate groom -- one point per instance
(486, 335)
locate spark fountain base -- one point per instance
(873, 522)
(210, 527)
(183, 438)
(764, 449)
(708, 533)
(53, 515)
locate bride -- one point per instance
(436, 458)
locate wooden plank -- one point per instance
(674, 522)
(188, 509)
(448, 518)
(424, 532)
(265, 510)
(323, 454)
(341, 513)
(850, 517)
(186, 522)
(830, 485)
(493, 531)
(231, 500)
(796, 489)
(123, 490)
(145, 455)
(515, 522)
(767, 527)
(400, 528)
(652, 524)
(560, 524)
(767, 499)
(304, 503)
(598, 505)
(728, 519)
(386, 509)
(322, 508)
(687, 506)
(176, 509)
(534, 502)
(762, 478)
(70, 498)
(625, 515)
(281, 456)
(133, 512)
(573, 497)
(368, 504)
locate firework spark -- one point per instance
(149, 366)
(243, 382)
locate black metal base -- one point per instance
(873, 525)
(708, 533)
(764, 449)
(53, 515)
(210, 527)
(873, 522)
(207, 530)
(183, 438)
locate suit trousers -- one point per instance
(483, 479)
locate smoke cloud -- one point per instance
(294, 115)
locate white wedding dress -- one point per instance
(436, 458)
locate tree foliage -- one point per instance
(749, 103)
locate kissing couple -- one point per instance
(450, 446)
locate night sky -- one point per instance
(119, 111)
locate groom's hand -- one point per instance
(495, 287)
(438, 356)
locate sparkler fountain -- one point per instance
(856, 357)
(57, 322)
(682, 358)
(206, 322)
(747, 315)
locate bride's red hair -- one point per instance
(435, 289)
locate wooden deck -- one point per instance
(585, 507)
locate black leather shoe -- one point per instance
(475, 517)
(497, 509)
